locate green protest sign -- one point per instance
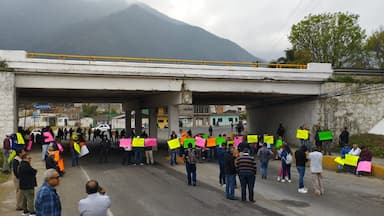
(220, 140)
(325, 135)
(189, 140)
(279, 143)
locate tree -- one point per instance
(329, 38)
(88, 110)
(4, 66)
(375, 47)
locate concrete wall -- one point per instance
(357, 106)
(292, 115)
(8, 103)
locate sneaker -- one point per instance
(24, 213)
(305, 189)
(289, 181)
(286, 179)
(282, 180)
(278, 178)
(302, 190)
(141, 164)
(32, 214)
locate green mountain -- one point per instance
(137, 31)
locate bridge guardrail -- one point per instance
(165, 60)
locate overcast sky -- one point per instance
(262, 26)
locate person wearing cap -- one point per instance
(6, 151)
(246, 166)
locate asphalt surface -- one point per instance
(162, 190)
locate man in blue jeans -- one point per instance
(230, 174)
(246, 166)
(301, 159)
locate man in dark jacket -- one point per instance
(301, 159)
(27, 177)
(15, 168)
(246, 167)
(344, 137)
(230, 174)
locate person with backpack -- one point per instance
(6, 151)
(264, 155)
(190, 164)
(286, 160)
(15, 168)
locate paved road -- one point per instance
(162, 190)
(158, 190)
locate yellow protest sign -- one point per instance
(76, 146)
(268, 139)
(252, 139)
(20, 139)
(174, 143)
(351, 160)
(302, 134)
(339, 161)
(138, 142)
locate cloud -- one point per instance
(262, 26)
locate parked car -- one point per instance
(101, 127)
(35, 132)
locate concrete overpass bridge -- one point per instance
(271, 95)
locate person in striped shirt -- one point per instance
(246, 167)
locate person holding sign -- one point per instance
(365, 156)
(173, 151)
(344, 150)
(75, 149)
(327, 140)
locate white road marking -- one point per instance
(88, 178)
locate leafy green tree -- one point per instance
(88, 110)
(334, 38)
(375, 48)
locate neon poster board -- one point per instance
(339, 161)
(125, 143)
(252, 138)
(48, 137)
(211, 142)
(237, 141)
(138, 142)
(150, 142)
(20, 139)
(279, 143)
(220, 140)
(189, 141)
(364, 166)
(325, 135)
(351, 160)
(268, 139)
(302, 134)
(205, 136)
(200, 142)
(76, 146)
(174, 143)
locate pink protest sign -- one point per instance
(29, 145)
(200, 142)
(48, 137)
(364, 166)
(237, 141)
(150, 142)
(125, 143)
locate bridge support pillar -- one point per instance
(8, 109)
(173, 118)
(153, 122)
(128, 124)
(252, 120)
(138, 121)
